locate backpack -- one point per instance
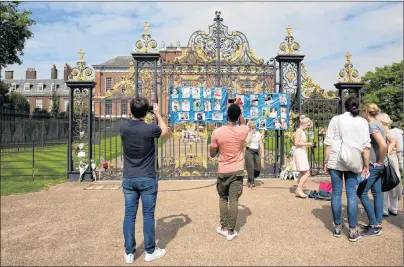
(350, 156)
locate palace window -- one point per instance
(40, 87)
(50, 104)
(124, 107)
(27, 86)
(108, 107)
(38, 103)
(66, 104)
(108, 83)
(13, 87)
(53, 88)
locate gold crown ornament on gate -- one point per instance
(81, 72)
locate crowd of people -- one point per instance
(356, 153)
(368, 137)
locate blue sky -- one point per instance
(371, 31)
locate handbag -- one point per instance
(390, 178)
(350, 156)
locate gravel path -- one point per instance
(67, 225)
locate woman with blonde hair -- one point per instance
(300, 159)
(253, 154)
(394, 195)
(378, 153)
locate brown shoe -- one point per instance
(300, 193)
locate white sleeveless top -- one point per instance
(255, 141)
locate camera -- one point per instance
(231, 101)
(314, 145)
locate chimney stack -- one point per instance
(67, 72)
(9, 74)
(54, 72)
(30, 74)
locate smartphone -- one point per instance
(360, 178)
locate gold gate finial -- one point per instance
(289, 30)
(146, 27)
(146, 44)
(289, 47)
(348, 74)
(348, 57)
(81, 54)
(81, 72)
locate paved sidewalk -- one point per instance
(68, 225)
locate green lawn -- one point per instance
(19, 174)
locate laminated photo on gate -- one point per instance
(269, 111)
(198, 104)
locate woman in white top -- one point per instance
(253, 153)
(394, 195)
(354, 131)
(300, 159)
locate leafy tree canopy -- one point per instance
(14, 32)
(384, 87)
(18, 102)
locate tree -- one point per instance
(14, 32)
(3, 94)
(55, 105)
(18, 102)
(384, 87)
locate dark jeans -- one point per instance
(253, 163)
(229, 188)
(336, 200)
(146, 189)
(374, 183)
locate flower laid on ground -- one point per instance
(105, 165)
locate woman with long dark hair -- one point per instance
(354, 131)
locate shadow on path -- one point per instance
(243, 213)
(324, 214)
(166, 230)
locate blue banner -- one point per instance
(198, 104)
(269, 111)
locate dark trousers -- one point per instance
(253, 163)
(229, 188)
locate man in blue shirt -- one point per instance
(139, 176)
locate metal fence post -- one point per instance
(33, 160)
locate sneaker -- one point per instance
(253, 184)
(232, 236)
(371, 231)
(337, 232)
(129, 258)
(221, 232)
(157, 254)
(354, 236)
(385, 214)
(300, 193)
